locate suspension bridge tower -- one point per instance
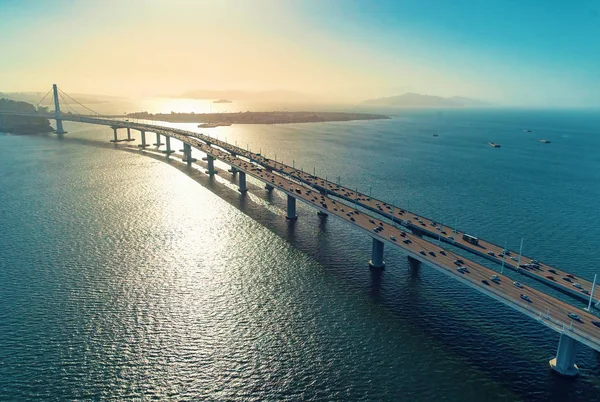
(59, 126)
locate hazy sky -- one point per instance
(518, 52)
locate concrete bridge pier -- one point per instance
(211, 164)
(564, 362)
(269, 187)
(128, 134)
(233, 170)
(143, 144)
(413, 262)
(291, 208)
(187, 154)
(158, 143)
(168, 151)
(377, 254)
(115, 139)
(322, 214)
(242, 183)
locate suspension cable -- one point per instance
(67, 104)
(85, 107)
(37, 104)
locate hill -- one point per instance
(22, 124)
(418, 100)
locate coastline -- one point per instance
(224, 119)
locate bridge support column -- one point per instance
(564, 362)
(115, 139)
(128, 134)
(269, 187)
(413, 262)
(187, 154)
(233, 170)
(211, 164)
(143, 144)
(168, 151)
(377, 254)
(158, 143)
(291, 208)
(322, 214)
(59, 125)
(242, 182)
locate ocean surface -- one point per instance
(122, 277)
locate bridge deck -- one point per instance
(542, 307)
(413, 221)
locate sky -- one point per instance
(512, 52)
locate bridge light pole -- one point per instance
(591, 294)
(520, 253)
(503, 257)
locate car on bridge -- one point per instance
(517, 284)
(574, 317)
(526, 298)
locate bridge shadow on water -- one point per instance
(509, 350)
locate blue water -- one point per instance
(121, 277)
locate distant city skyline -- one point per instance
(538, 53)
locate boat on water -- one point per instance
(527, 130)
(494, 145)
(223, 101)
(545, 141)
(436, 134)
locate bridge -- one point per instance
(423, 240)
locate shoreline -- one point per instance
(226, 119)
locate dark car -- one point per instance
(571, 276)
(431, 253)
(567, 279)
(596, 323)
(553, 271)
(422, 252)
(485, 282)
(550, 277)
(442, 252)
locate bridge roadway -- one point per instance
(544, 308)
(420, 224)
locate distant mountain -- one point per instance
(463, 101)
(418, 100)
(277, 95)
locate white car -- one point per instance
(578, 286)
(517, 284)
